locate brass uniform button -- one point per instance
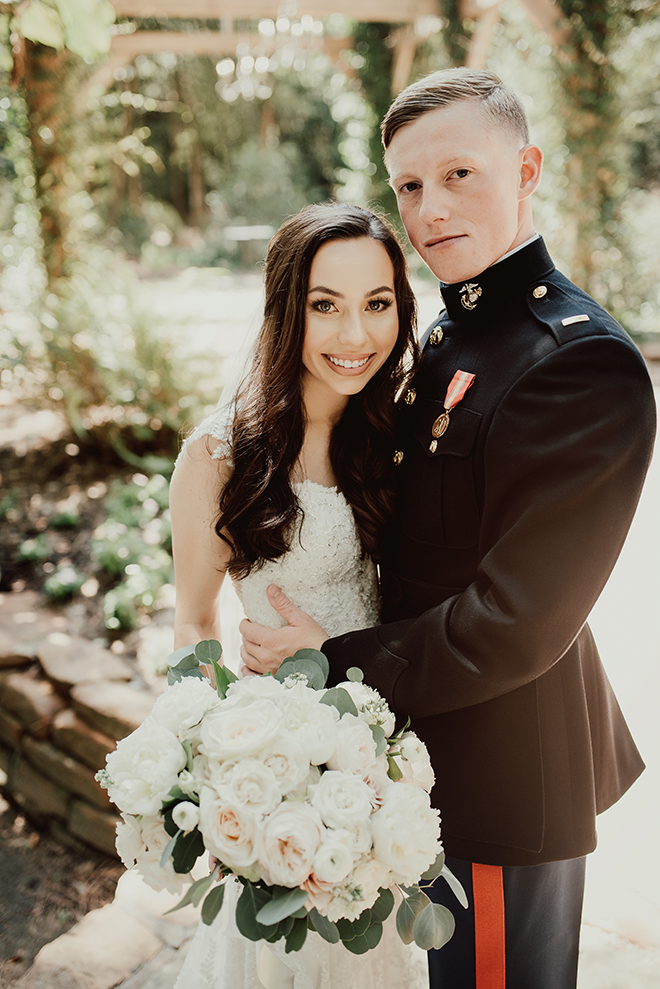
(398, 457)
(433, 446)
(540, 291)
(436, 336)
(410, 397)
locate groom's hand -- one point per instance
(264, 649)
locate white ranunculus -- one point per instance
(288, 762)
(235, 731)
(154, 874)
(144, 768)
(371, 706)
(252, 785)
(406, 832)
(229, 832)
(290, 838)
(312, 725)
(333, 860)
(413, 760)
(182, 706)
(343, 800)
(186, 816)
(356, 748)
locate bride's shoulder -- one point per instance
(212, 435)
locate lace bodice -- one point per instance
(323, 572)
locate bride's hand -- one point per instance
(264, 649)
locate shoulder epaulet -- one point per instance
(567, 311)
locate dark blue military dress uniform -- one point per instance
(511, 520)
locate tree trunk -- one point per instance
(49, 84)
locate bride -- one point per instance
(294, 486)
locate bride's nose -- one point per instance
(352, 331)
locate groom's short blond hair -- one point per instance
(440, 89)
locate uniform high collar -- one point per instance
(474, 300)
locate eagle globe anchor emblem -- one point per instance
(470, 295)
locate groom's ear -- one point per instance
(531, 164)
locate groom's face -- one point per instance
(459, 179)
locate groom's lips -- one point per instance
(445, 239)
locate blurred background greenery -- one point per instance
(137, 145)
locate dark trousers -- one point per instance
(533, 945)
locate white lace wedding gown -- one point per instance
(324, 574)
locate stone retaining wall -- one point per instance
(64, 702)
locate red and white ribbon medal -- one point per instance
(458, 386)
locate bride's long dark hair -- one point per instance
(258, 507)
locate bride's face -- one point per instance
(351, 320)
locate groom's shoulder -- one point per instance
(570, 314)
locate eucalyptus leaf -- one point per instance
(187, 850)
(223, 677)
(208, 651)
(296, 937)
(195, 892)
(250, 902)
(393, 770)
(434, 870)
(406, 914)
(308, 668)
(355, 674)
(379, 738)
(456, 886)
(349, 929)
(383, 906)
(433, 926)
(282, 905)
(188, 667)
(341, 699)
(366, 941)
(212, 903)
(314, 656)
(167, 851)
(323, 926)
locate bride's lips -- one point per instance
(362, 361)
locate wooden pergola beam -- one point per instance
(392, 11)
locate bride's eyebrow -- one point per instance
(338, 295)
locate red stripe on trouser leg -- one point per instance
(488, 895)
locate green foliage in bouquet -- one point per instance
(270, 912)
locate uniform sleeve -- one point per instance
(565, 458)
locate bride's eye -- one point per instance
(323, 305)
(379, 305)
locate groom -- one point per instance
(522, 449)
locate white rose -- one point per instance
(358, 838)
(334, 859)
(342, 800)
(229, 832)
(289, 841)
(248, 688)
(377, 777)
(157, 876)
(406, 832)
(236, 731)
(286, 759)
(413, 760)
(356, 748)
(371, 706)
(186, 816)
(183, 705)
(252, 785)
(312, 725)
(144, 768)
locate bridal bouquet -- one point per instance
(306, 795)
